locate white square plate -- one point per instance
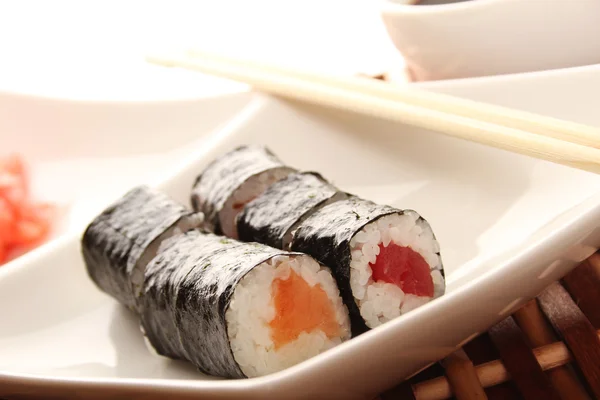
(508, 226)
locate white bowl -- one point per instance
(81, 153)
(491, 37)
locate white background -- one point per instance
(95, 49)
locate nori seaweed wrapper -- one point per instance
(187, 290)
(271, 217)
(326, 236)
(125, 235)
(224, 175)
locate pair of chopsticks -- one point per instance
(563, 142)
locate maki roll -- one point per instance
(238, 309)
(120, 242)
(231, 181)
(272, 217)
(386, 261)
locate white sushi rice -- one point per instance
(251, 309)
(245, 193)
(380, 302)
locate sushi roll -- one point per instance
(231, 181)
(120, 242)
(238, 309)
(272, 217)
(386, 261)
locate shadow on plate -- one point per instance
(136, 359)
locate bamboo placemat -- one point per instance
(548, 349)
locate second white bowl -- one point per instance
(491, 37)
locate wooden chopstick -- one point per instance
(493, 372)
(551, 127)
(317, 92)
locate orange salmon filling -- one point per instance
(300, 308)
(405, 268)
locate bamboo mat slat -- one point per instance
(462, 377)
(481, 350)
(539, 333)
(577, 331)
(584, 285)
(520, 362)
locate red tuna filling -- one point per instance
(403, 267)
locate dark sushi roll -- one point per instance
(120, 242)
(231, 181)
(238, 309)
(386, 261)
(272, 217)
